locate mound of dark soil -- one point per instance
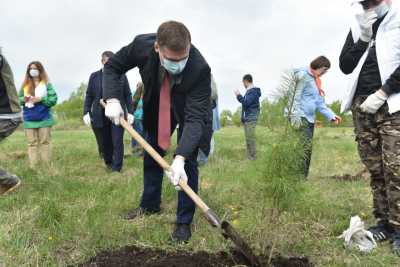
(362, 175)
(146, 257)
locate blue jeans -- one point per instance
(202, 158)
(153, 178)
(138, 126)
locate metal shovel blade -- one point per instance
(229, 232)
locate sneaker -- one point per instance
(382, 231)
(182, 233)
(396, 243)
(9, 184)
(138, 212)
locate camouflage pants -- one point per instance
(378, 138)
(250, 135)
(7, 127)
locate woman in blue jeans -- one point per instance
(138, 115)
(308, 99)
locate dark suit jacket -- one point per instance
(190, 99)
(94, 93)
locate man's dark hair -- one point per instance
(107, 54)
(248, 78)
(173, 35)
(320, 62)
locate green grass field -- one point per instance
(65, 213)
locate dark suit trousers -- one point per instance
(98, 133)
(153, 177)
(113, 145)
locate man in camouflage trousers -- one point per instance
(378, 138)
(373, 60)
(10, 119)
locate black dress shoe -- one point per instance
(396, 243)
(182, 233)
(138, 212)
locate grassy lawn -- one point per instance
(65, 213)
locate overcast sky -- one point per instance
(236, 37)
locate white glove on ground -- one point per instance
(366, 20)
(374, 102)
(114, 110)
(356, 236)
(177, 172)
(130, 119)
(86, 119)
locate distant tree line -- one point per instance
(270, 115)
(72, 108)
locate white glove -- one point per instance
(114, 110)
(374, 102)
(86, 119)
(29, 104)
(356, 236)
(366, 20)
(130, 119)
(177, 172)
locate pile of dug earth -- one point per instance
(147, 257)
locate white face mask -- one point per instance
(34, 73)
(382, 9)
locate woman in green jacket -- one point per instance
(37, 96)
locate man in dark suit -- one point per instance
(178, 91)
(109, 137)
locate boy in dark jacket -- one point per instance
(250, 111)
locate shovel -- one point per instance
(225, 227)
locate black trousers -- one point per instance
(110, 144)
(306, 135)
(153, 178)
(98, 133)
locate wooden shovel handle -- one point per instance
(160, 160)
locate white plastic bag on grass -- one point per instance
(357, 236)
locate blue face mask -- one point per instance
(382, 9)
(174, 67)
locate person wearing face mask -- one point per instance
(10, 119)
(37, 96)
(371, 58)
(109, 137)
(250, 112)
(177, 85)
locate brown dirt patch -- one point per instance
(147, 257)
(362, 175)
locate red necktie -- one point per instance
(164, 115)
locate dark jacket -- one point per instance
(190, 99)
(250, 104)
(9, 102)
(369, 79)
(94, 93)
